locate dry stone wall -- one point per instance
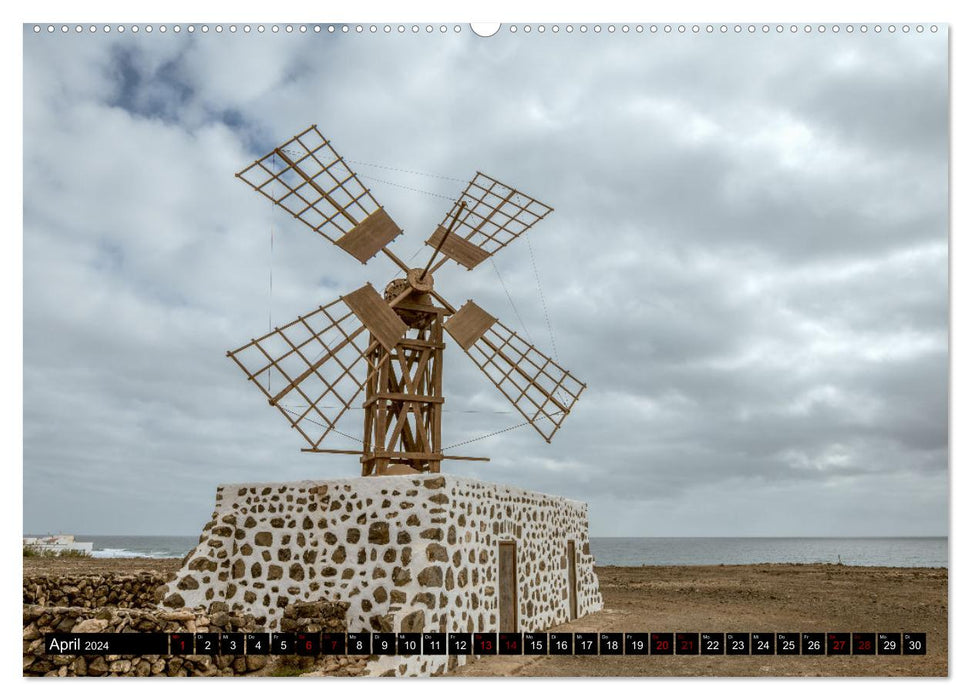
(94, 591)
(320, 616)
(407, 554)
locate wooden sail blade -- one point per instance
(311, 369)
(458, 249)
(311, 181)
(541, 390)
(495, 214)
(468, 324)
(377, 315)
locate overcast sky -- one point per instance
(747, 264)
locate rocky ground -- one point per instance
(759, 598)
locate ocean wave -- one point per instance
(109, 553)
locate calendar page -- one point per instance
(525, 349)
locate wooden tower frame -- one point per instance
(403, 398)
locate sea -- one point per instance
(657, 551)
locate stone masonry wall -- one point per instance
(407, 554)
(137, 590)
(310, 617)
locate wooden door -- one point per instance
(508, 604)
(571, 565)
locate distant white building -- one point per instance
(58, 544)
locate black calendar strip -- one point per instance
(489, 643)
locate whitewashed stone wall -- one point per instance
(409, 554)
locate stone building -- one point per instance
(433, 553)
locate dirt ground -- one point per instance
(71, 566)
(757, 598)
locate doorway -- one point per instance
(571, 566)
(508, 603)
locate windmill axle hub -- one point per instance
(420, 287)
(418, 282)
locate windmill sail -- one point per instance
(377, 314)
(308, 178)
(541, 390)
(495, 214)
(311, 370)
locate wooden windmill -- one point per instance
(390, 345)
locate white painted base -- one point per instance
(408, 553)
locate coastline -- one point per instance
(912, 551)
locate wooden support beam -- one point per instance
(407, 398)
(424, 308)
(396, 260)
(417, 455)
(418, 343)
(441, 300)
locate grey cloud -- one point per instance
(747, 264)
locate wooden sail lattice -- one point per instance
(311, 181)
(311, 369)
(495, 214)
(540, 389)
